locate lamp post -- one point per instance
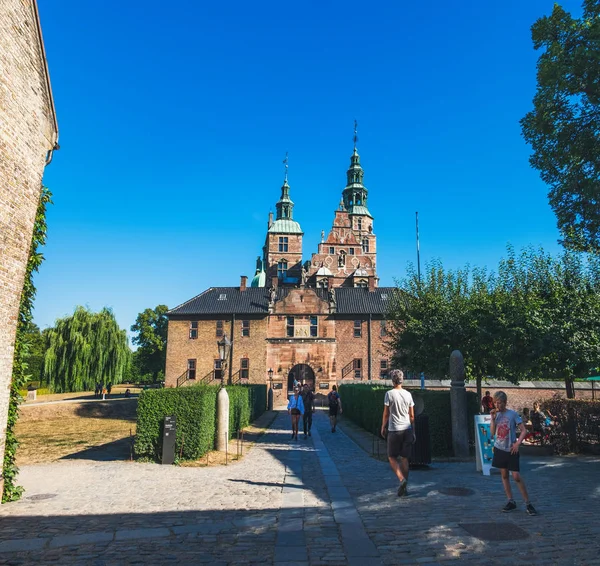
(224, 346)
(270, 393)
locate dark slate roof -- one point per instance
(358, 300)
(255, 300)
(226, 300)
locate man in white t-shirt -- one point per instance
(398, 424)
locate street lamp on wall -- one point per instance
(224, 346)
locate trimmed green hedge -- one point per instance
(195, 410)
(363, 404)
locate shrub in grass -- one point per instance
(195, 410)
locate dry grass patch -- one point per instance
(96, 431)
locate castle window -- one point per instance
(191, 369)
(218, 369)
(282, 267)
(351, 251)
(332, 250)
(365, 245)
(219, 331)
(289, 332)
(383, 369)
(323, 283)
(362, 283)
(245, 328)
(283, 243)
(244, 368)
(358, 329)
(314, 327)
(357, 366)
(193, 330)
(359, 223)
(383, 328)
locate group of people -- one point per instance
(302, 404)
(398, 428)
(102, 391)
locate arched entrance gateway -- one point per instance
(303, 373)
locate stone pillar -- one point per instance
(270, 398)
(222, 420)
(458, 406)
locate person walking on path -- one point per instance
(397, 425)
(504, 424)
(295, 408)
(335, 406)
(487, 403)
(308, 399)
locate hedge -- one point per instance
(363, 404)
(195, 410)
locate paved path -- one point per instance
(317, 501)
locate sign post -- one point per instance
(169, 435)
(484, 444)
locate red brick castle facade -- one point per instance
(319, 321)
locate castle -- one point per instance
(319, 321)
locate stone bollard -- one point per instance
(222, 420)
(270, 399)
(458, 406)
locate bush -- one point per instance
(195, 410)
(577, 424)
(363, 404)
(195, 413)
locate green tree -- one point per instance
(564, 126)
(35, 356)
(84, 349)
(151, 329)
(446, 311)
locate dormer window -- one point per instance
(222, 297)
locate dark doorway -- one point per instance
(303, 373)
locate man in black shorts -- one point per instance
(397, 423)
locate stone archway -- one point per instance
(303, 373)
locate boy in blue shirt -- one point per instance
(504, 425)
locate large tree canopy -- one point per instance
(84, 349)
(538, 318)
(151, 328)
(564, 126)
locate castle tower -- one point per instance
(283, 246)
(347, 257)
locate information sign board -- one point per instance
(323, 385)
(484, 444)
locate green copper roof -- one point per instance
(285, 226)
(359, 210)
(259, 280)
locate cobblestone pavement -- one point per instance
(322, 500)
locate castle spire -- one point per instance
(285, 206)
(355, 194)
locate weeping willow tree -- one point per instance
(85, 349)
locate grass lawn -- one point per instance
(96, 431)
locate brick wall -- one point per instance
(27, 133)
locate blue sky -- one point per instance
(175, 118)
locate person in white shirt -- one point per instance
(295, 408)
(397, 425)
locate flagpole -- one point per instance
(418, 248)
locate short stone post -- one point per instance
(222, 420)
(270, 398)
(458, 406)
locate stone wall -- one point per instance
(27, 133)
